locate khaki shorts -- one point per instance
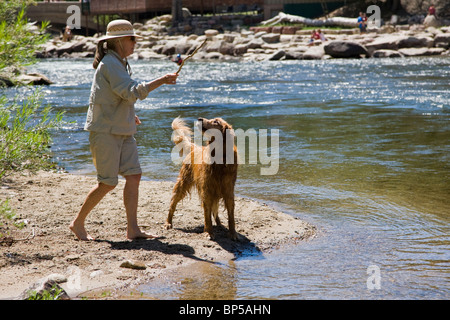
(114, 155)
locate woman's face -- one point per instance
(127, 46)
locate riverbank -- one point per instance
(47, 202)
(268, 43)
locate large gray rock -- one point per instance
(442, 40)
(388, 42)
(277, 55)
(240, 49)
(314, 53)
(33, 79)
(431, 21)
(271, 37)
(418, 52)
(415, 42)
(345, 49)
(226, 48)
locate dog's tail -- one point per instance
(181, 133)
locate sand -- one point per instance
(48, 202)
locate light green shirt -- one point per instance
(112, 99)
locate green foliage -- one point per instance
(18, 41)
(7, 216)
(52, 294)
(25, 134)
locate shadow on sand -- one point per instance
(240, 248)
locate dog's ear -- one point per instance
(225, 126)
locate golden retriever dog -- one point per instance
(207, 168)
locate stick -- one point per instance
(190, 56)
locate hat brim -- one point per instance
(106, 37)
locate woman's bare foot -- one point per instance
(138, 234)
(80, 232)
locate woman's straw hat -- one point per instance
(119, 28)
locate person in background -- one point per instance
(362, 22)
(432, 11)
(67, 35)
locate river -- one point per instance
(364, 155)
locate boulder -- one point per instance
(442, 40)
(271, 37)
(277, 55)
(149, 54)
(240, 49)
(418, 52)
(214, 56)
(226, 48)
(169, 48)
(65, 48)
(385, 53)
(345, 49)
(49, 49)
(228, 37)
(415, 42)
(6, 81)
(210, 33)
(33, 79)
(79, 45)
(431, 21)
(255, 43)
(289, 30)
(293, 55)
(213, 46)
(314, 53)
(90, 47)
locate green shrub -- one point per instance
(25, 134)
(18, 42)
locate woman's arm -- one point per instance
(170, 78)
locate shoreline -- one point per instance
(268, 43)
(49, 201)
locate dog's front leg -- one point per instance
(176, 197)
(229, 205)
(207, 211)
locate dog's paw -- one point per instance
(168, 226)
(209, 235)
(234, 236)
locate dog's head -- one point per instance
(216, 123)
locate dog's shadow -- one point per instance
(242, 247)
(154, 245)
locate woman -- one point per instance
(112, 123)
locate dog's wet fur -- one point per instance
(214, 181)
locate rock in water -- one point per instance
(345, 49)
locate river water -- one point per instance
(364, 155)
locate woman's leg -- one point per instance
(130, 199)
(93, 198)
